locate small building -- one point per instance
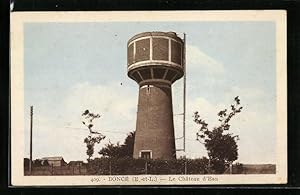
(76, 163)
(54, 161)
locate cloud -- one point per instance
(248, 93)
(111, 101)
(117, 106)
(62, 134)
(197, 60)
(255, 125)
(254, 99)
(51, 138)
(208, 112)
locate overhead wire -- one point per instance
(119, 132)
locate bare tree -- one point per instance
(94, 137)
(221, 147)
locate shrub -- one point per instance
(130, 166)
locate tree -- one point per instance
(117, 150)
(37, 163)
(90, 117)
(129, 144)
(90, 144)
(95, 137)
(221, 146)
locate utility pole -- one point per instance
(184, 94)
(30, 161)
(184, 89)
(185, 167)
(110, 167)
(146, 167)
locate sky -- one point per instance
(70, 67)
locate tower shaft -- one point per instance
(154, 127)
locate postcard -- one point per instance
(148, 98)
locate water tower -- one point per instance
(155, 60)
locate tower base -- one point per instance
(154, 136)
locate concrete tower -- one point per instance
(155, 61)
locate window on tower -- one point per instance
(160, 49)
(130, 55)
(146, 154)
(142, 52)
(176, 51)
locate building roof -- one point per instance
(155, 33)
(55, 158)
(77, 161)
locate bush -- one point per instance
(130, 166)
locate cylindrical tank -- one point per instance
(155, 61)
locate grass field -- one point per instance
(255, 169)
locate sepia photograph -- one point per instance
(148, 98)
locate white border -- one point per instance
(17, 100)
